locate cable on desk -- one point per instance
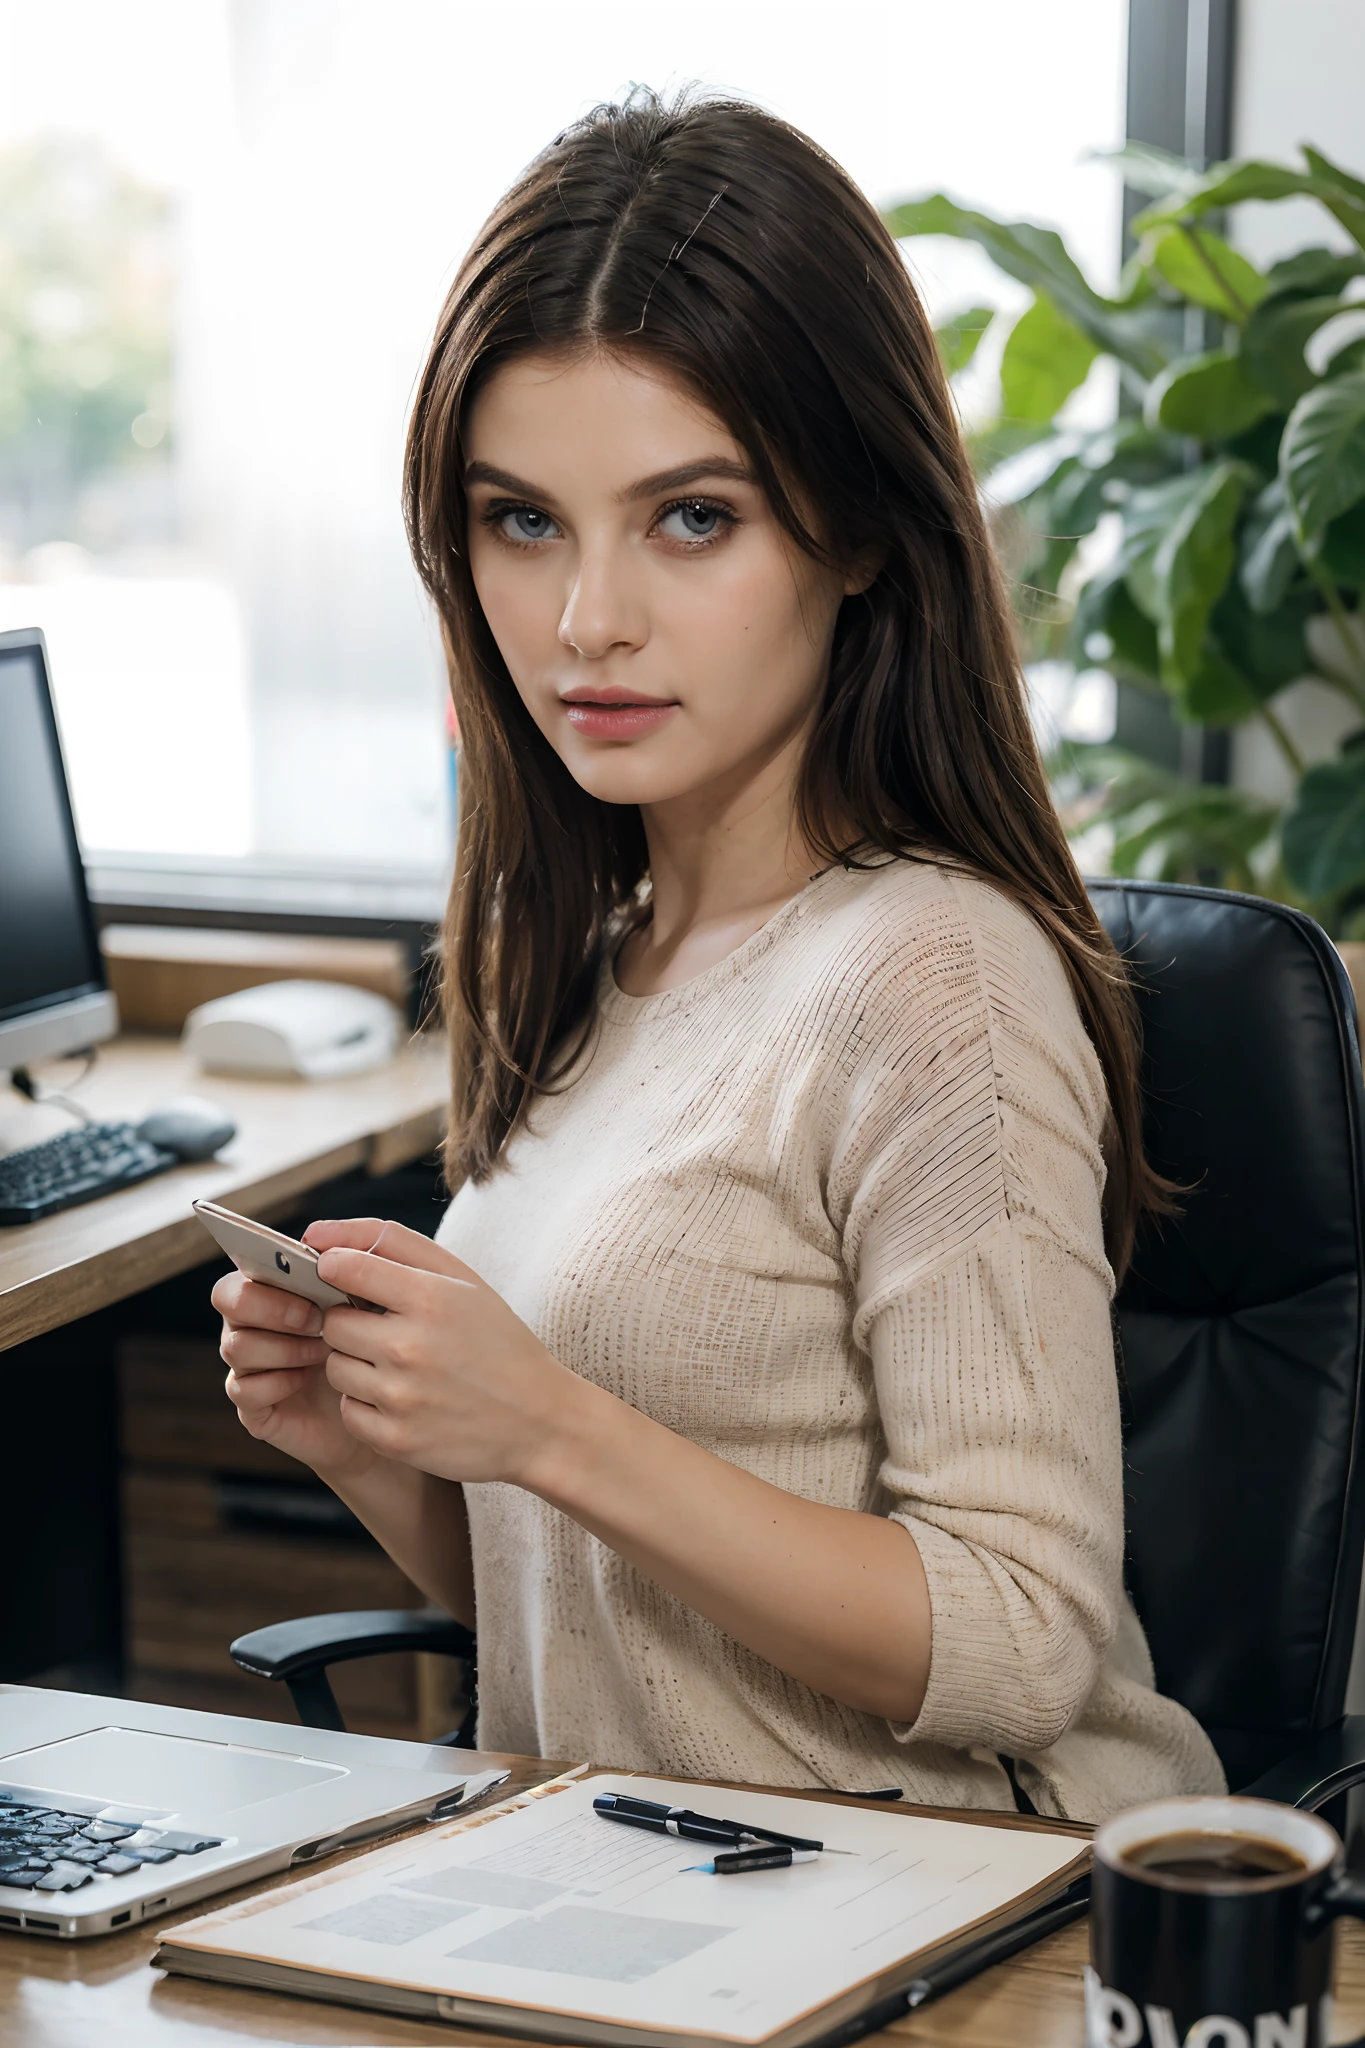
(22, 1080)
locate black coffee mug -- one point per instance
(1212, 1926)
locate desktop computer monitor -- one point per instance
(53, 994)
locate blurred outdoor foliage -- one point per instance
(85, 332)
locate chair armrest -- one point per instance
(1321, 1768)
(299, 1651)
(319, 1639)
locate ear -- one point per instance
(863, 573)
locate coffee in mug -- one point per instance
(1212, 1926)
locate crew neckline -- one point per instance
(613, 1001)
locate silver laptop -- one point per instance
(111, 1811)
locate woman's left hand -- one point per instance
(450, 1380)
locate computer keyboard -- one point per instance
(44, 1849)
(75, 1166)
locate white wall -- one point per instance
(1300, 77)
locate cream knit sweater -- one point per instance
(832, 1210)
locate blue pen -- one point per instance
(762, 1856)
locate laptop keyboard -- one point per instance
(44, 1849)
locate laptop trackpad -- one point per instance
(128, 1767)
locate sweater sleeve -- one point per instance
(969, 1178)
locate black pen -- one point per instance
(968, 1962)
(996, 1948)
(668, 1820)
(694, 1827)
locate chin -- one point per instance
(614, 778)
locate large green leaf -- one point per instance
(1166, 828)
(1324, 834)
(1323, 167)
(1269, 652)
(1148, 515)
(1109, 631)
(1348, 358)
(1217, 693)
(1274, 340)
(1077, 499)
(1129, 451)
(1137, 287)
(1038, 257)
(1124, 452)
(1269, 552)
(1148, 169)
(993, 445)
(1231, 184)
(1208, 397)
(1259, 446)
(1046, 358)
(1313, 273)
(1058, 516)
(1193, 829)
(1342, 552)
(1191, 568)
(1041, 573)
(958, 338)
(1322, 455)
(1227, 184)
(1205, 270)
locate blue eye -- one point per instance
(694, 519)
(523, 522)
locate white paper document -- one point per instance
(552, 1908)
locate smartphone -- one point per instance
(272, 1258)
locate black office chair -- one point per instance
(1242, 1328)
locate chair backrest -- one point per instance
(1242, 1320)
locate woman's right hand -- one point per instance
(273, 1343)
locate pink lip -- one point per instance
(617, 721)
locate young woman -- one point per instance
(758, 1393)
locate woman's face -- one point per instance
(661, 629)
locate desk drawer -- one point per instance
(174, 1411)
(193, 1583)
(222, 1535)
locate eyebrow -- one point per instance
(648, 486)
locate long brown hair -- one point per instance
(722, 244)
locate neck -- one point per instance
(725, 846)
(722, 862)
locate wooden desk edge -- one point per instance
(68, 1291)
(1033, 2000)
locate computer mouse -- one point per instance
(188, 1125)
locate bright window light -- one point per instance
(275, 195)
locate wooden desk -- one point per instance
(291, 1136)
(77, 1994)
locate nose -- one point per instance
(603, 611)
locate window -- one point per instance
(228, 226)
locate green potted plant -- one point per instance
(1208, 544)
